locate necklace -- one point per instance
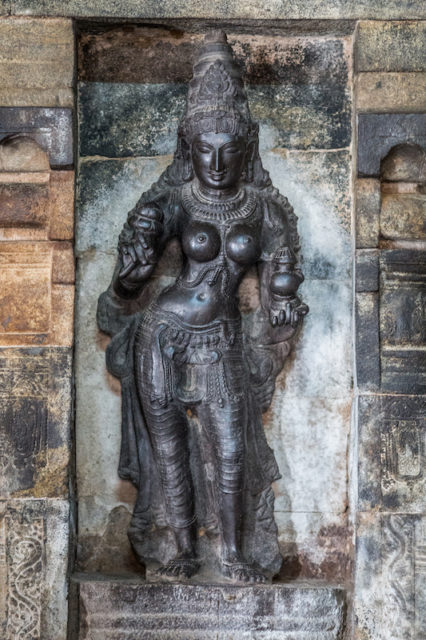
(199, 205)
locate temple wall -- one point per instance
(93, 108)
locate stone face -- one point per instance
(36, 421)
(386, 91)
(392, 439)
(32, 310)
(390, 593)
(403, 216)
(34, 543)
(367, 212)
(36, 62)
(303, 9)
(117, 609)
(391, 46)
(379, 132)
(402, 326)
(51, 128)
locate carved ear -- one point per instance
(186, 158)
(249, 160)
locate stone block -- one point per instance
(367, 340)
(31, 211)
(35, 403)
(384, 92)
(390, 577)
(367, 270)
(392, 453)
(367, 212)
(51, 128)
(33, 311)
(34, 543)
(402, 326)
(113, 609)
(379, 132)
(403, 216)
(224, 9)
(143, 54)
(391, 46)
(36, 62)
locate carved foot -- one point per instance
(242, 572)
(180, 567)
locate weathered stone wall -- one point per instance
(331, 122)
(390, 283)
(36, 325)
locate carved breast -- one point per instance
(201, 241)
(242, 245)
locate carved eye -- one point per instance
(232, 149)
(202, 237)
(203, 148)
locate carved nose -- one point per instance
(216, 161)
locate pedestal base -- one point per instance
(125, 609)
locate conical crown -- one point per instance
(217, 101)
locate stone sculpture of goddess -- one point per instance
(189, 352)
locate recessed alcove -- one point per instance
(131, 94)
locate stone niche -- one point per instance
(132, 83)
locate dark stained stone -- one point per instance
(120, 120)
(50, 127)
(367, 270)
(112, 608)
(153, 54)
(379, 132)
(35, 403)
(311, 116)
(367, 341)
(392, 430)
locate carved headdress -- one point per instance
(217, 101)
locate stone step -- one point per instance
(132, 609)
